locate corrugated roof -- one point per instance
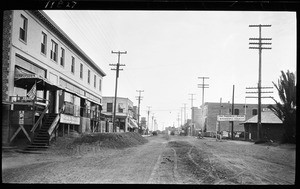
(266, 117)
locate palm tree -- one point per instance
(286, 110)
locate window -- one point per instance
(62, 58)
(89, 75)
(254, 112)
(109, 107)
(236, 112)
(73, 65)
(95, 81)
(44, 43)
(121, 107)
(53, 53)
(81, 71)
(23, 29)
(100, 84)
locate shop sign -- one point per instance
(21, 117)
(18, 76)
(231, 117)
(69, 119)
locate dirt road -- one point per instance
(163, 160)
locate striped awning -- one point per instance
(132, 123)
(26, 80)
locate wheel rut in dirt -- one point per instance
(196, 166)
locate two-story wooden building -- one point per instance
(48, 82)
(125, 121)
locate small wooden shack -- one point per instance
(272, 127)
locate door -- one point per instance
(52, 101)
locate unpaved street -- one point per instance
(164, 159)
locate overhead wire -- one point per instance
(91, 33)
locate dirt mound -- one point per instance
(85, 143)
(111, 140)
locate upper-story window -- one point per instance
(236, 112)
(109, 107)
(73, 65)
(81, 71)
(121, 108)
(100, 84)
(62, 57)
(23, 29)
(44, 43)
(89, 76)
(254, 112)
(53, 53)
(95, 81)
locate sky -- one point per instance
(168, 50)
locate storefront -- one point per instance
(34, 96)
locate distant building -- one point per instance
(143, 124)
(271, 127)
(208, 120)
(124, 115)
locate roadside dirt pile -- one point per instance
(111, 140)
(95, 142)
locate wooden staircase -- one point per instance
(41, 138)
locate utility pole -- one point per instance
(251, 88)
(192, 99)
(148, 118)
(203, 86)
(152, 121)
(178, 120)
(232, 113)
(116, 86)
(139, 101)
(184, 113)
(260, 48)
(220, 113)
(192, 117)
(181, 115)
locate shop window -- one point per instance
(254, 112)
(22, 63)
(23, 29)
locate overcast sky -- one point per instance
(168, 50)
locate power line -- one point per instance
(93, 43)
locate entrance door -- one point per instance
(52, 101)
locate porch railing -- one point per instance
(39, 121)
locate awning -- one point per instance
(110, 115)
(81, 96)
(132, 123)
(74, 93)
(27, 80)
